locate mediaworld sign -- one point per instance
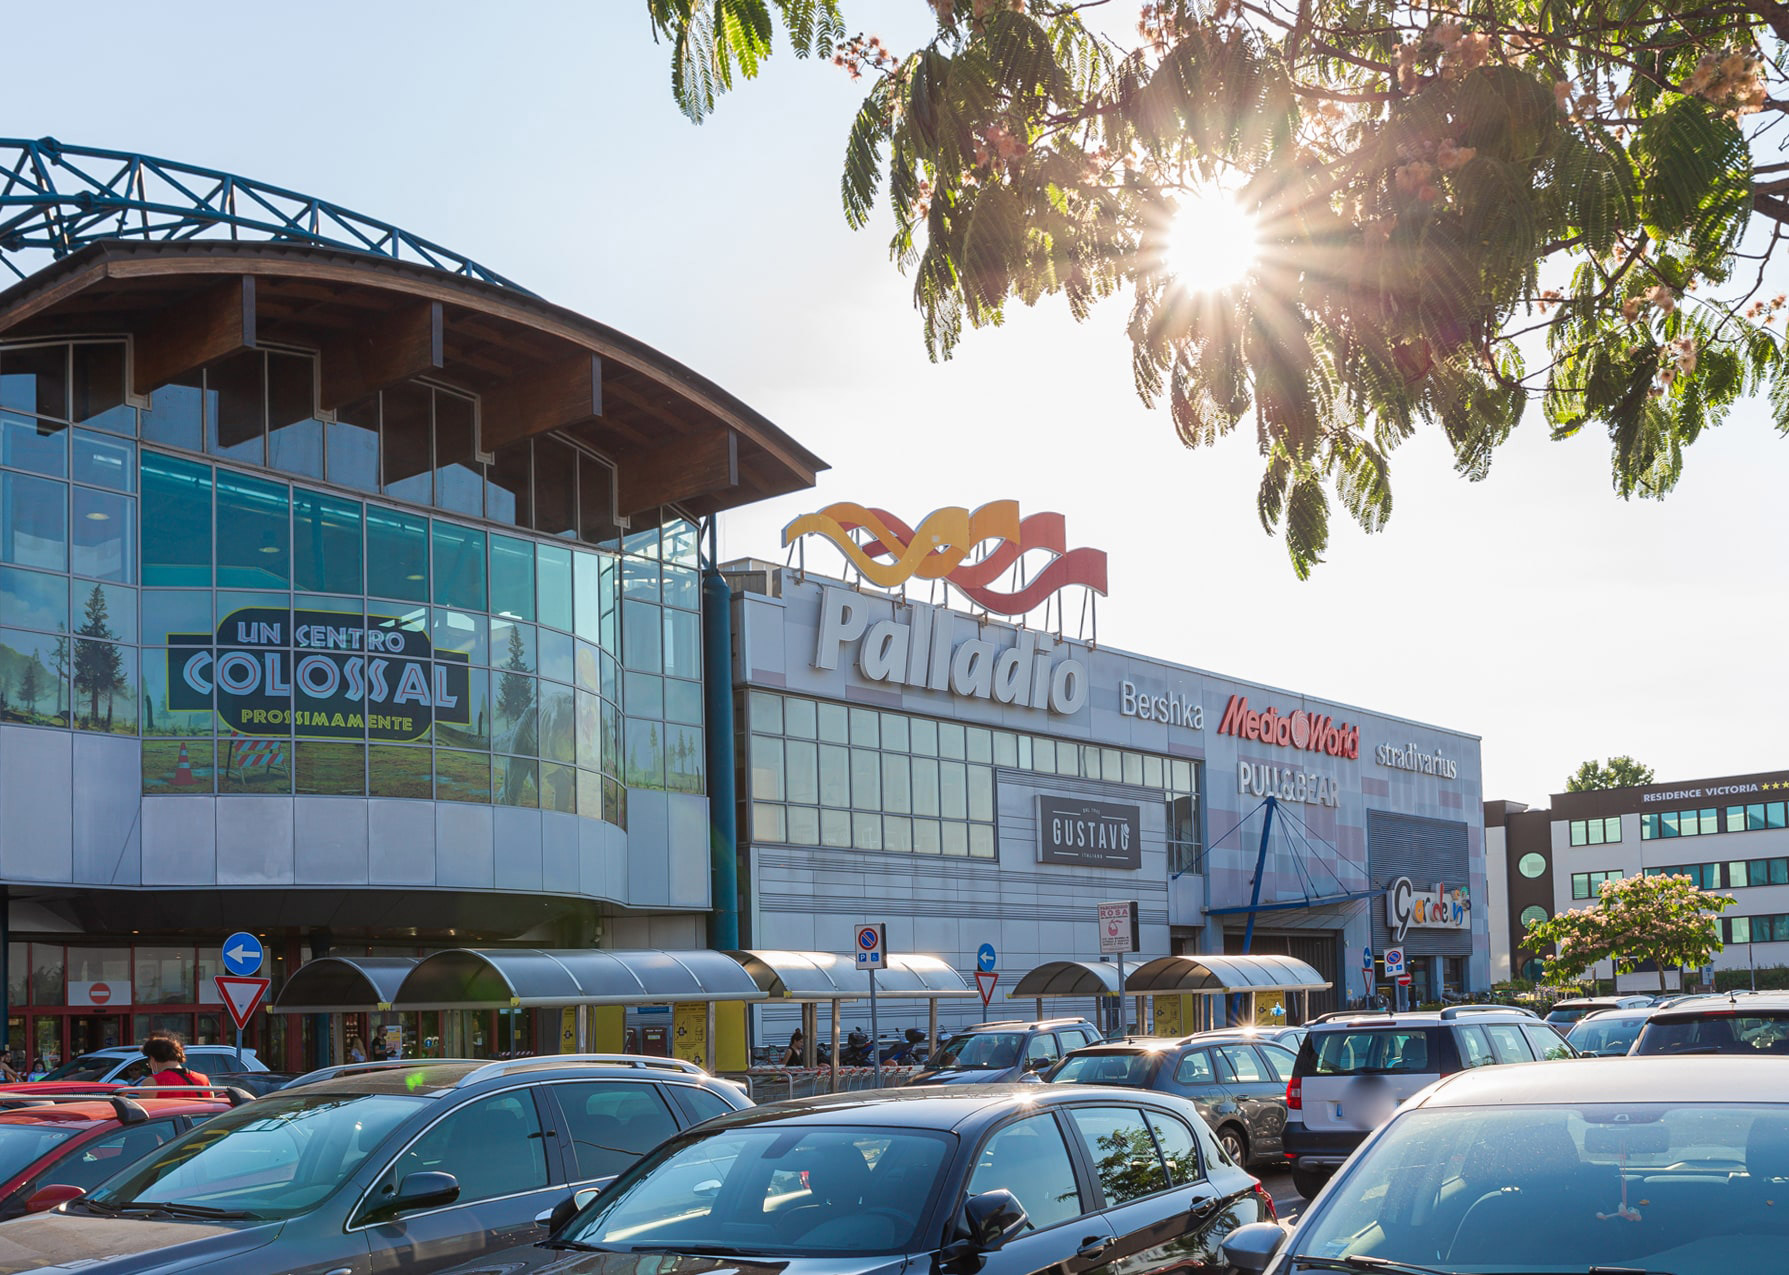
(1308, 732)
(1090, 834)
(317, 674)
(1438, 909)
(921, 651)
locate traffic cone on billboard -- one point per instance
(183, 770)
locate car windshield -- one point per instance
(276, 1157)
(1718, 1033)
(982, 1050)
(22, 1144)
(1383, 1052)
(1124, 1068)
(1605, 1035)
(834, 1190)
(86, 1067)
(1684, 1187)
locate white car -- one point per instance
(125, 1064)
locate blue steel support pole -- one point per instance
(1248, 933)
(717, 692)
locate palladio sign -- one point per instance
(919, 651)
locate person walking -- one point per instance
(167, 1056)
(792, 1056)
(356, 1050)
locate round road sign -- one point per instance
(984, 957)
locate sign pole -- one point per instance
(1118, 1027)
(239, 1049)
(875, 1034)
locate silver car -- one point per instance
(1634, 1164)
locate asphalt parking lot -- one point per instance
(1286, 1200)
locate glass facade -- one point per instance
(852, 778)
(265, 635)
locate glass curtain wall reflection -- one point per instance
(266, 635)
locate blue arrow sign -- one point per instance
(984, 958)
(243, 954)
(1366, 958)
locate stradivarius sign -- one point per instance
(317, 674)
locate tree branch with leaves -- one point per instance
(1441, 194)
(1664, 920)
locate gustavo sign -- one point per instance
(317, 674)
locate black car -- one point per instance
(1237, 1081)
(991, 1053)
(1744, 1024)
(998, 1180)
(414, 1166)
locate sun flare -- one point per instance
(1213, 242)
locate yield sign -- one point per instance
(985, 980)
(241, 996)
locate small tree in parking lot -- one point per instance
(1663, 919)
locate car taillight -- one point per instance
(1294, 1095)
(1273, 1214)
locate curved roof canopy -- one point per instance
(343, 985)
(1170, 974)
(1069, 978)
(827, 976)
(515, 978)
(537, 369)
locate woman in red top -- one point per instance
(168, 1057)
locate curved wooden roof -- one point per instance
(675, 437)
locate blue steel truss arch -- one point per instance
(57, 199)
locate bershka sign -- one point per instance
(1172, 708)
(921, 652)
(318, 674)
(1410, 757)
(1297, 729)
(1093, 834)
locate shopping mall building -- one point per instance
(1729, 834)
(970, 781)
(352, 600)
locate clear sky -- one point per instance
(1535, 609)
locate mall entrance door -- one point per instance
(87, 1032)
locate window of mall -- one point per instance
(265, 636)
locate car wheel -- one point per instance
(1307, 1182)
(1235, 1145)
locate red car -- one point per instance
(78, 1141)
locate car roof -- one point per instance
(1716, 1006)
(98, 1111)
(1647, 1078)
(1579, 1002)
(136, 1051)
(1615, 1015)
(431, 1077)
(940, 1107)
(1021, 1024)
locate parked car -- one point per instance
(999, 1180)
(125, 1064)
(1738, 1024)
(1567, 1012)
(1356, 1066)
(1608, 1033)
(1237, 1081)
(1635, 1164)
(418, 1164)
(991, 1053)
(76, 1141)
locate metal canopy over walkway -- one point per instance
(343, 985)
(815, 978)
(1204, 976)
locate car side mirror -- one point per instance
(991, 1219)
(566, 1209)
(48, 1197)
(1251, 1249)
(421, 1191)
